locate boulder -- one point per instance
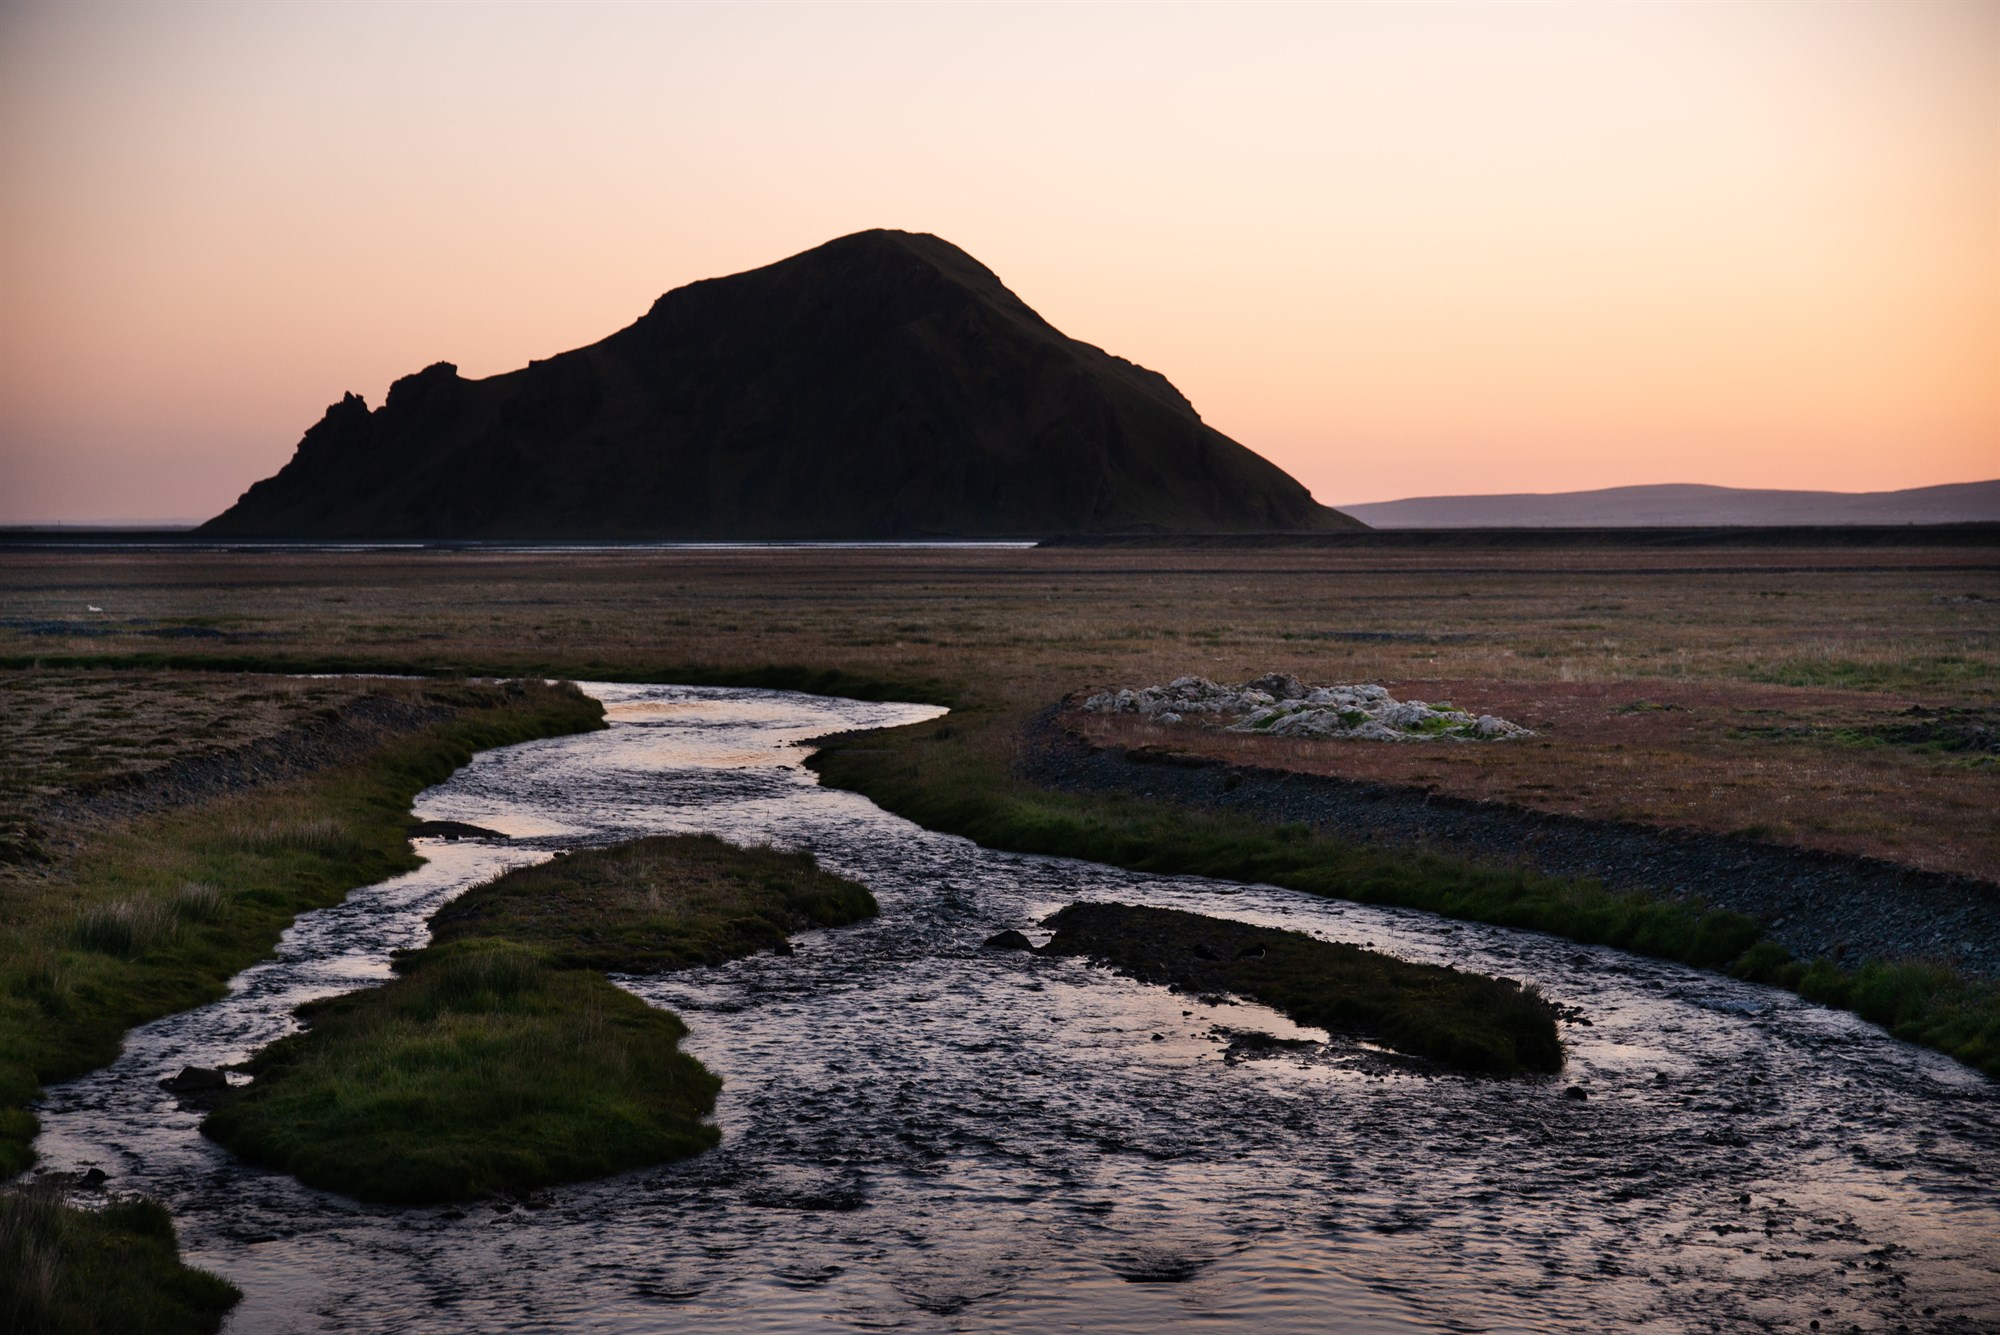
(196, 1080)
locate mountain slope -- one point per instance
(1683, 505)
(883, 385)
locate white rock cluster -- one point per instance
(1283, 706)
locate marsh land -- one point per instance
(1838, 704)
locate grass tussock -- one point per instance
(1467, 1021)
(668, 902)
(65, 1271)
(125, 928)
(155, 914)
(500, 1059)
(481, 1069)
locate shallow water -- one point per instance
(919, 1135)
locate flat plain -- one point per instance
(1834, 698)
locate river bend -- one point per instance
(919, 1135)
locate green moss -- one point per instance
(481, 1069)
(667, 902)
(1465, 1020)
(500, 1060)
(158, 915)
(66, 1271)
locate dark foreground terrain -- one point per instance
(922, 1131)
(133, 719)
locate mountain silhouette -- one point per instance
(1688, 505)
(885, 385)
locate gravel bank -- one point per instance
(1812, 903)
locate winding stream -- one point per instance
(919, 1135)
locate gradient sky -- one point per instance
(1400, 250)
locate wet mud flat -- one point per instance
(1813, 903)
(921, 1134)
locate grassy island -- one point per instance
(1468, 1021)
(502, 1059)
(89, 1272)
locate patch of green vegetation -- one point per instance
(1973, 734)
(481, 1069)
(65, 1271)
(670, 902)
(1915, 672)
(156, 915)
(1465, 1020)
(500, 1059)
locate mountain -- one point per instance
(885, 385)
(1679, 505)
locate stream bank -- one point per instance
(1812, 903)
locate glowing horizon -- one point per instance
(1399, 250)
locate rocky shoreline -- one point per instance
(1812, 903)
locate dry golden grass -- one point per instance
(1793, 765)
(63, 730)
(1009, 631)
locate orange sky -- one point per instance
(1400, 250)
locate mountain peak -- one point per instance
(884, 384)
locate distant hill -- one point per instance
(1680, 505)
(885, 385)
